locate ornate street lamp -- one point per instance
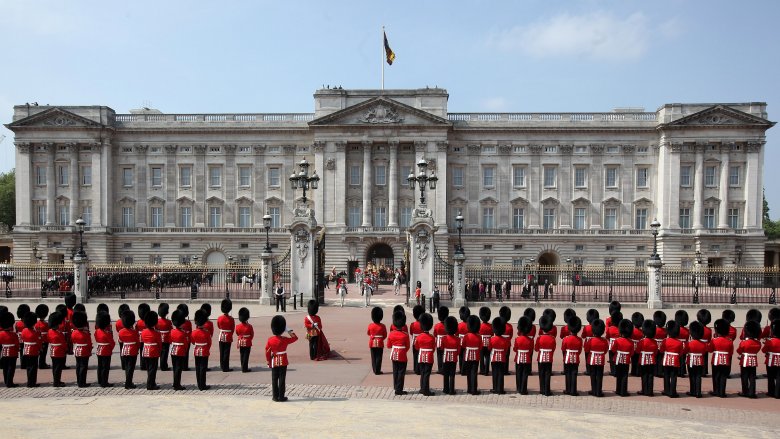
(571, 279)
(267, 226)
(459, 222)
(228, 268)
(302, 180)
(655, 225)
(423, 179)
(80, 223)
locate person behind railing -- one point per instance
(279, 296)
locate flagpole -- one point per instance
(383, 58)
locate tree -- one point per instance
(771, 228)
(8, 198)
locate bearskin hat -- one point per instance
(79, 319)
(278, 325)
(417, 311)
(614, 306)
(591, 315)
(704, 317)
(464, 312)
(672, 329)
(55, 319)
(616, 317)
(775, 328)
(648, 328)
(567, 314)
(6, 320)
(598, 327)
(637, 319)
(722, 327)
(151, 318)
(524, 325)
(80, 307)
(200, 317)
(484, 314)
(697, 330)
(206, 308)
(163, 310)
(473, 324)
(530, 313)
(753, 315)
(729, 316)
(575, 325)
(752, 328)
(122, 308)
(681, 317)
(143, 308)
(377, 314)
(426, 322)
(3, 309)
(443, 313)
(177, 318)
(499, 327)
(774, 314)
(313, 307)
(398, 308)
(70, 300)
(399, 320)
(505, 313)
(22, 311)
(550, 313)
(626, 328)
(243, 315)
(29, 320)
(62, 309)
(41, 311)
(545, 324)
(102, 320)
(185, 310)
(226, 306)
(102, 307)
(451, 325)
(659, 318)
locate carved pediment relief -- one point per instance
(550, 200)
(582, 201)
(720, 116)
(380, 111)
(519, 201)
(54, 118)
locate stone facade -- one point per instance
(546, 187)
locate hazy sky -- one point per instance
(257, 56)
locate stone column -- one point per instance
(422, 251)
(535, 188)
(723, 188)
(392, 191)
(75, 181)
(171, 185)
(367, 183)
(473, 185)
(654, 284)
(303, 231)
(107, 189)
(753, 212)
(319, 195)
(199, 178)
(51, 182)
(340, 183)
(565, 185)
(80, 280)
(440, 202)
(24, 175)
(266, 277)
(229, 186)
(259, 186)
(596, 185)
(698, 187)
(141, 186)
(459, 281)
(97, 189)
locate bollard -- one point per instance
(422, 301)
(574, 296)
(733, 299)
(773, 297)
(696, 294)
(193, 294)
(157, 295)
(122, 294)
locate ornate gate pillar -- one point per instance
(80, 280)
(422, 250)
(303, 231)
(266, 281)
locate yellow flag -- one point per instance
(389, 54)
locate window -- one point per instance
(185, 245)
(487, 247)
(551, 149)
(640, 248)
(86, 215)
(610, 218)
(685, 176)
(517, 263)
(244, 176)
(63, 216)
(487, 218)
(579, 218)
(457, 176)
(518, 176)
(612, 149)
(244, 216)
(185, 216)
(155, 259)
(380, 175)
(548, 222)
(215, 216)
(518, 246)
(734, 218)
(128, 217)
(639, 263)
(40, 175)
(185, 176)
(86, 175)
(127, 177)
(489, 148)
(128, 260)
(276, 217)
(354, 175)
(549, 176)
(580, 173)
(155, 245)
(610, 248)
(709, 218)
(734, 175)
(157, 217)
(581, 149)
(353, 217)
(243, 245)
(406, 217)
(156, 176)
(640, 222)
(488, 176)
(709, 176)
(611, 177)
(579, 248)
(380, 217)
(274, 177)
(41, 214)
(641, 177)
(518, 218)
(487, 262)
(62, 175)
(405, 171)
(685, 218)
(215, 176)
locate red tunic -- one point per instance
(623, 349)
(398, 343)
(564, 332)
(140, 325)
(58, 344)
(553, 331)
(499, 349)
(404, 328)
(187, 326)
(209, 327)
(596, 348)
(732, 333)
(545, 346)
(748, 351)
(766, 333)
(636, 335)
(485, 331)
(722, 349)
(772, 350)
(414, 330)
(451, 346)
(509, 332)
(31, 341)
(608, 322)
(613, 333)
(152, 342)
(43, 328)
(245, 333)
(377, 333)
(313, 325)
(471, 344)
(647, 348)
(463, 329)
(532, 332)
(438, 333)
(19, 327)
(707, 335)
(119, 325)
(425, 344)
(276, 349)
(571, 347)
(201, 342)
(523, 347)
(129, 339)
(696, 351)
(660, 336)
(180, 342)
(9, 344)
(587, 332)
(104, 340)
(164, 327)
(82, 343)
(226, 325)
(672, 349)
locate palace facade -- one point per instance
(550, 188)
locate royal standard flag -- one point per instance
(389, 54)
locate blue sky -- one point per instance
(259, 56)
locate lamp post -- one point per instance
(228, 267)
(459, 222)
(267, 226)
(696, 274)
(422, 178)
(302, 180)
(655, 225)
(38, 260)
(571, 279)
(80, 223)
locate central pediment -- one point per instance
(720, 116)
(380, 111)
(54, 118)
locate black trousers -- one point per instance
(129, 370)
(121, 357)
(201, 367)
(224, 355)
(82, 364)
(694, 377)
(659, 365)
(103, 366)
(281, 303)
(498, 377)
(152, 363)
(522, 372)
(506, 365)
(570, 372)
(278, 375)
(670, 380)
(142, 362)
(683, 365)
(244, 352)
(399, 373)
(313, 347)
(42, 356)
(31, 364)
(164, 353)
(439, 359)
(748, 376)
(647, 372)
(484, 361)
(425, 377)
(472, 369)
(9, 370)
(57, 364)
(597, 380)
(376, 360)
(720, 376)
(187, 359)
(545, 373)
(415, 364)
(773, 381)
(611, 363)
(448, 371)
(706, 366)
(460, 362)
(178, 366)
(635, 365)
(621, 379)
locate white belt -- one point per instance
(425, 350)
(128, 342)
(771, 354)
(80, 344)
(545, 350)
(50, 344)
(103, 344)
(225, 330)
(378, 336)
(33, 343)
(280, 353)
(164, 332)
(472, 349)
(597, 352)
(200, 344)
(17, 344)
(394, 347)
(177, 344)
(146, 344)
(449, 350)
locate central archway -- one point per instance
(547, 261)
(382, 257)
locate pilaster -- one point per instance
(367, 183)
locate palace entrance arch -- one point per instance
(382, 257)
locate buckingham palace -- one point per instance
(543, 187)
